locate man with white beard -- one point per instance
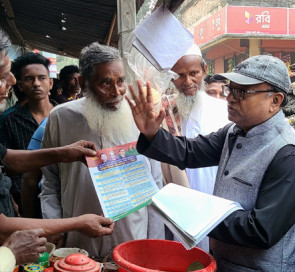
(189, 113)
(104, 117)
(3, 103)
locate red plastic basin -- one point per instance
(160, 255)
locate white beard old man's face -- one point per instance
(185, 103)
(190, 72)
(106, 111)
(7, 79)
(189, 83)
(108, 84)
(110, 125)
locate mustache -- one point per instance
(118, 99)
(190, 86)
(4, 95)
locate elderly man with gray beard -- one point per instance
(104, 117)
(191, 112)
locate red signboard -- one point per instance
(246, 20)
(257, 20)
(292, 21)
(216, 24)
(210, 28)
(200, 33)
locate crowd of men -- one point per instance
(221, 134)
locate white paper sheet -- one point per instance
(191, 214)
(162, 39)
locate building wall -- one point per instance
(219, 66)
(279, 45)
(192, 12)
(225, 49)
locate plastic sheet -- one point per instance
(145, 71)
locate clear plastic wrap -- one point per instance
(145, 71)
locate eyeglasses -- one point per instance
(239, 94)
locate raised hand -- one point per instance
(93, 225)
(26, 245)
(145, 116)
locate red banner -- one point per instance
(256, 20)
(292, 21)
(210, 28)
(246, 20)
(216, 24)
(200, 33)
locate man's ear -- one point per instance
(59, 91)
(19, 85)
(277, 100)
(205, 69)
(50, 83)
(82, 82)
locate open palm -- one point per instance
(146, 118)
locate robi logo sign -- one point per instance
(263, 18)
(257, 20)
(250, 18)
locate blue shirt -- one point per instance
(35, 142)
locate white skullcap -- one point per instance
(194, 50)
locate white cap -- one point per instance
(193, 50)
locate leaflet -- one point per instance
(122, 180)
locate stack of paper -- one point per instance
(191, 214)
(162, 39)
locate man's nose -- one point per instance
(188, 80)
(230, 97)
(115, 92)
(36, 81)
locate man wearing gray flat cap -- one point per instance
(255, 156)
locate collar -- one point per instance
(239, 131)
(261, 128)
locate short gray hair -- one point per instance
(278, 90)
(203, 64)
(96, 53)
(4, 40)
(4, 44)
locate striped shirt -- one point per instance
(18, 128)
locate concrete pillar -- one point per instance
(254, 47)
(126, 10)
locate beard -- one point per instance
(185, 103)
(114, 126)
(3, 105)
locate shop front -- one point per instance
(235, 33)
